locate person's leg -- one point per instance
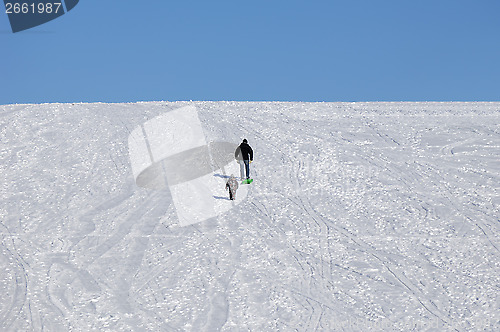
(242, 169)
(247, 167)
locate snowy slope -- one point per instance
(362, 216)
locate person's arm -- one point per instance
(251, 154)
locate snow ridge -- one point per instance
(362, 216)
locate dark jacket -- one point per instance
(244, 152)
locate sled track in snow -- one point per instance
(19, 283)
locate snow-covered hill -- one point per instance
(362, 216)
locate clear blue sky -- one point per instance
(309, 50)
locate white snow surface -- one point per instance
(361, 216)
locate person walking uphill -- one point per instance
(232, 185)
(244, 155)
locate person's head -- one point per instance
(245, 140)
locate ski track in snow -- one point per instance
(362, 216)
